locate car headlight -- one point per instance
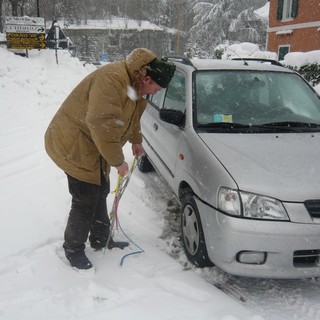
(250, 205)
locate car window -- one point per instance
(254, 98)
(156, 99)
(294, 97)
(176, 93)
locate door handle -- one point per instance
(155, 127)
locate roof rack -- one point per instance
(274, 62)
(183, 60)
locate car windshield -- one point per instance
(254, 101)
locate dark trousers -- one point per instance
(88, 214)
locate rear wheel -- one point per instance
(192, 234)
(144, 165)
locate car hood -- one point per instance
(284, 166)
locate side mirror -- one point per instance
(175, 117)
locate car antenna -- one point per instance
(240, 58)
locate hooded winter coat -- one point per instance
(88, 132)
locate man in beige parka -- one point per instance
(86, 136)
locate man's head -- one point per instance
(159, 73)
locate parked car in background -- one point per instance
(239, 144)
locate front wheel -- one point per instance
(192, 234)
(144, 164)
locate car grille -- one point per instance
(313, 207)
(306, 258)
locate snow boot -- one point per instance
(78, 259)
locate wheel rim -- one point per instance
(190, 230)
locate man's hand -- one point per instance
(137, 149)
(123, 169)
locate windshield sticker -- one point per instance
(220, 117)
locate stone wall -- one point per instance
(90, 44)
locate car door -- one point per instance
(162, 139)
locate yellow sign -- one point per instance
(26, 41)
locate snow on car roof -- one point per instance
(208, 64)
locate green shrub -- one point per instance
(311, 72)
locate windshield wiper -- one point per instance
(285, 126)
(290, 126)
(229, 125)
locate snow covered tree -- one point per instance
(18, 7)
(219, 21)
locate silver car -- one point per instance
(239, 144)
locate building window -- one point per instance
(287, 5)
(283, 50)
(287, 9)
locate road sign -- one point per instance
(25, 32)
(56, 37)
(26, 41)
(24, 25)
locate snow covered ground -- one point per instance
(34, 204)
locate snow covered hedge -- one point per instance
(306, 63)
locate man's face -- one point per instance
(149, 86)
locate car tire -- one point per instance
(144, 164)
(192, 234)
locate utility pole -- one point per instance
(56, 38)
(54, 10)
(178, 34)
(2, 15)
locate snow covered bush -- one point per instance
(306, 63)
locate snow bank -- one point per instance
(31, 90)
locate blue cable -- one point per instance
(130, 240)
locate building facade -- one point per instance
(294, 26)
